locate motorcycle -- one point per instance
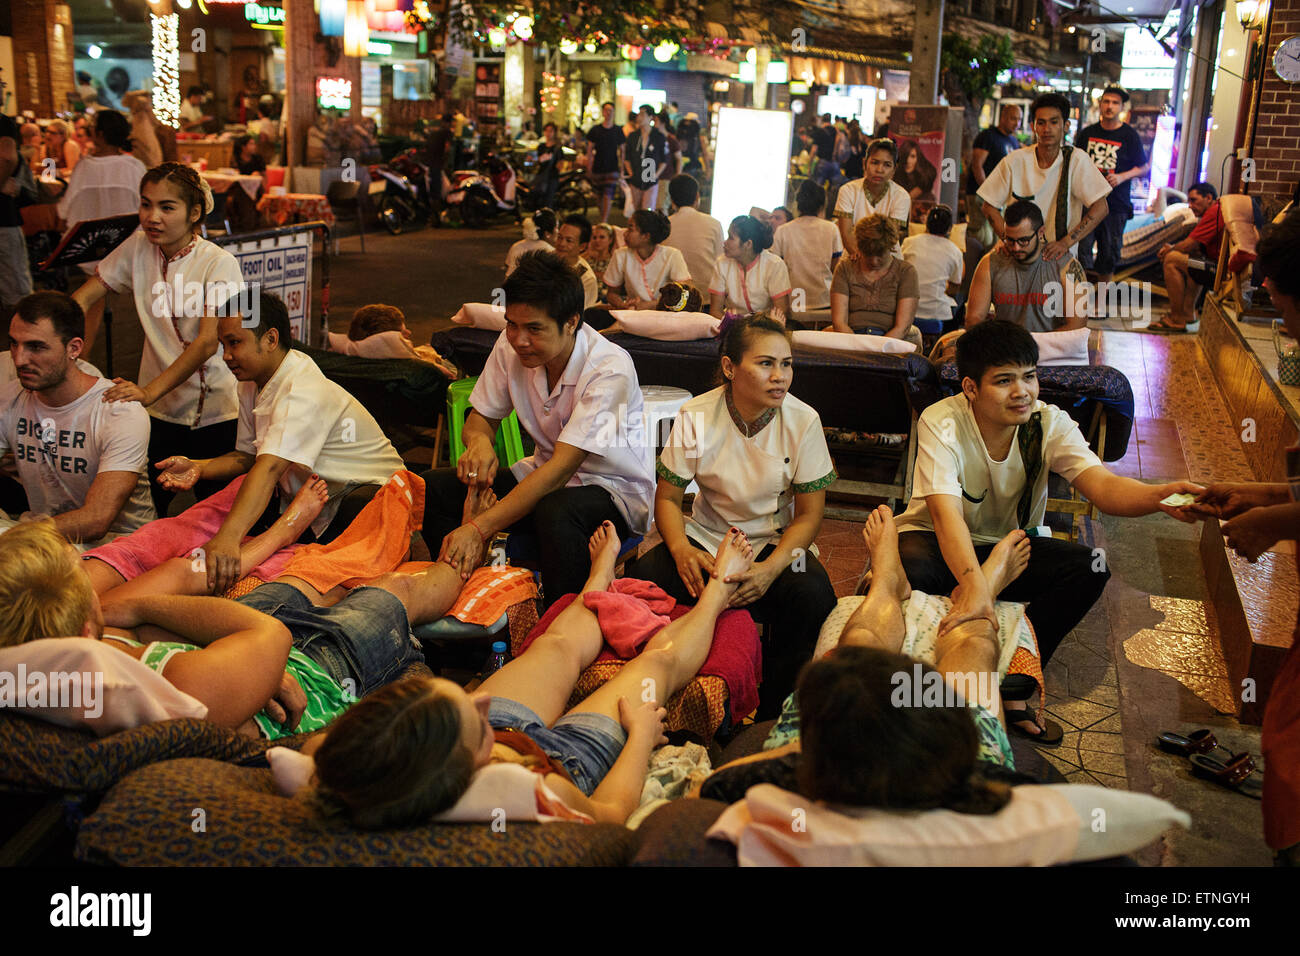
(572, 193)
(477, 198)
(406, 191)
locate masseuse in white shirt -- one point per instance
(577, 395)
(760, 458)
(179, 281)
(293, 423)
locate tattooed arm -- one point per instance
(1091, 220)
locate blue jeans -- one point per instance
(585, 744)
(828, 169)
(364, 640)
(1109, 238)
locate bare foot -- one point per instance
(307, 503)
(1007, 561)
(603, 546)
(881, 535)
(735, 556)
(478, 499)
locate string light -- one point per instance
(552, 90)
(166, 69)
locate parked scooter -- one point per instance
(406, 197)
(478, 198)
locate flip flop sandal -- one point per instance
(1238, 774)
(1197, 742)
(1051, 731)
(1162, 328)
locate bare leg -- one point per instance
(188, 575)
(879, 620)
(967, 655)
(676, 653)
(543, 677)
(103, 576)
(1175, 268)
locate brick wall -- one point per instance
(1277, 139)
(43, 52)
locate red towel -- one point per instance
(736, 655)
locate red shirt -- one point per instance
(1209, 231)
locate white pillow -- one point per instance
(1041, 826)
(480, 315)
(1064, 347)
(381, 345)
(840, 342)
(88, 684)
(667, 326)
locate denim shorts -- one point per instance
(586, 745)
(364, 639)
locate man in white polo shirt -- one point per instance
(293, 422)
(696, 235)
(78, 459)
(577, 395)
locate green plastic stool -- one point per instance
(509, 442)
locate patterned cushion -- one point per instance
(43, 758)
(674, 836)
(149, 819)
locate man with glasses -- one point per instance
(79, 459)
(1022, 285)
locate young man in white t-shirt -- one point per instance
(78, 459)
(810, 247)
(1034, 173)
(577, 395)
(939, 266)
(696, 235)
(293, 423)
(971, 489)
(570, 243)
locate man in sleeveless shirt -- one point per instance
(1021, 285)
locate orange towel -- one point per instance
(376, 542)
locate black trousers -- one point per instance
(1109, 239)
(562, 522)
(1063, 580)
(168, 438)
(791, 612)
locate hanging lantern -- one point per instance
(630, 52)
(355, 32)
(568, 47)
(523, 27)
(497, 37)
(382, 6)
(332, 15)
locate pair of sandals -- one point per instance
(1215, 763)
(1164, 327)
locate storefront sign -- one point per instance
(281, 266)
(257, 13)
(751, 162)
(334, 93)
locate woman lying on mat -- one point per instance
(409, 752)
(290, 656)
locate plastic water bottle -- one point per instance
(496, 659)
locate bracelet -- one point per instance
(472, 523)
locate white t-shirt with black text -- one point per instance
(61, 450)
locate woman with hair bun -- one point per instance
(747, 278)
(539, 235)
(759, 457)
(643, 266)
(179, 281)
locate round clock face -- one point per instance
(1286, 60)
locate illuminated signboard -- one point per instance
(256, 13)
(751, 161)
(334, 93)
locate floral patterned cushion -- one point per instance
(38, 757)
(195, 812)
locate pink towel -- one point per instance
(133, 554)
(736, 655)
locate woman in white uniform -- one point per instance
(180, 282)
(643, 266)
(747, 278)
(760, 459)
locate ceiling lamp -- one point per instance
(356, 34)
